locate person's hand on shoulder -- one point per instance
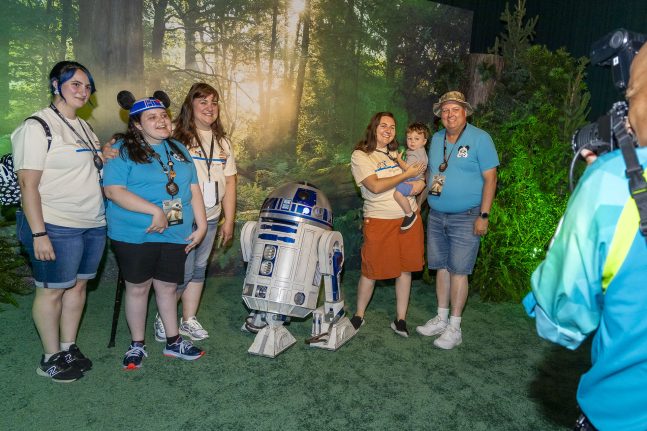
(108, 152)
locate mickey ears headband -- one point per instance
(127, 101)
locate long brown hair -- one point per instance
(185, 130)
(368, 144)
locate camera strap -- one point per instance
(637, 183)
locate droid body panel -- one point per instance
(289, 251)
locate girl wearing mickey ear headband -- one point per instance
(154, 201)
(62, 222)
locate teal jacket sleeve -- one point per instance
(566, 297)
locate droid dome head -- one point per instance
(298, 203)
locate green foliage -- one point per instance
(350, 226)
(250, 197)
(537, 105)
(12, 272)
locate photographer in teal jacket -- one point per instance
(594, 280)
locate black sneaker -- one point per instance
(75, 358)
(356, 321)
(408, 221)
(133, 356)
(58, 369)
(400, 328)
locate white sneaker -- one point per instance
(433, 326)
(193, 329)
(160, 333)
(451, 338)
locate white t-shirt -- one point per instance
(380, 205)
(69, 187)
(223, 164)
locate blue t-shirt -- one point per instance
(467, 159)
(148, 181)
(593, 281)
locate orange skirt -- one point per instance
(387, 251)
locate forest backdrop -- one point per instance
(298, 81)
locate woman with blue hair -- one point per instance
(62, 223)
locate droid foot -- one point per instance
(271, 341)
(336, 336)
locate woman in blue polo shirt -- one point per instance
(154, 200)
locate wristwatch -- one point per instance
(484, 215)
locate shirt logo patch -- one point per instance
(462, 151)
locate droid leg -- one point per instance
(254, 322)
(272, 339)
(330, 327)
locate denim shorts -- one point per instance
(451, 242)
(78, 253)
(195, 268)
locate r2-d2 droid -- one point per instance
(289, 250)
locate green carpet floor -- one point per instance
(501, 378)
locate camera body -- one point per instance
(617, 49)
(599, 137)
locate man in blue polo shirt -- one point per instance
(462, 179)
(593, 280)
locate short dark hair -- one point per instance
(63, 71)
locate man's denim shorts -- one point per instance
(78, 253)
(451, 242)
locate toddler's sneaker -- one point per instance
(183, 350)
(433, 326)
(134, 356)
(75, 358)
(400, 328)
(58, 369)
(451, 338)
(193, 329)
(408, 221)
(160, 333)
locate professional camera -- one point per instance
(617, 49)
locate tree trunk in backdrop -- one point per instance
(111, 45)
(270, 74)
(481, 85)
(157, 42)
(66, 18)
(301, 74)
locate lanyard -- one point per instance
(171, 188)
(98, 163)
(446, 158)
(210, 159)
(393, 159)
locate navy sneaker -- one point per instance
(183, 350)
(75, 358)
(407, 222)
(58, 369)
(134, 356)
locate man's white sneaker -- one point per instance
(433, 326)
(193, 329)
(160, 333)
(451, 338)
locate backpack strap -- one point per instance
(48, 132)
